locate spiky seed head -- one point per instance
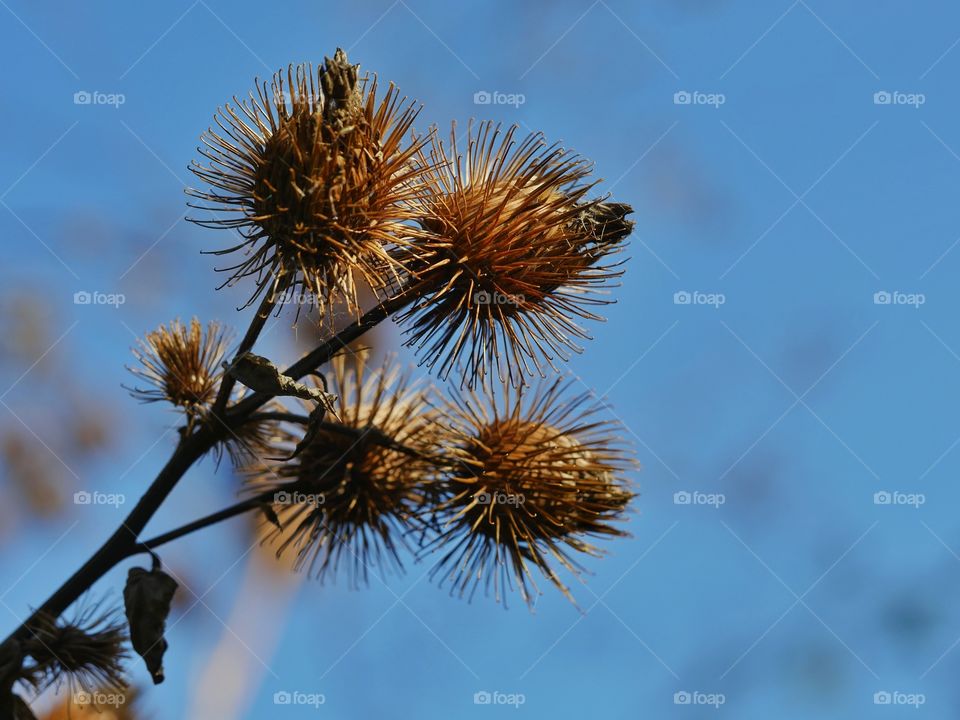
(533, 477)
(182, 364)
(257, 438)
(352, 493)
(514, 257)
(87, 651)
(315, 173)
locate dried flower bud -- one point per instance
(356, 486)
(513, 257)
(183, 365)
(532, 479)
(338, 80)
(87, 651)
(315, 173)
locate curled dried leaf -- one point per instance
(147, 598)
(261, 375)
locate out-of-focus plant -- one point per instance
(488, 251)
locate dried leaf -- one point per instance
(261, 375)
(147, 597)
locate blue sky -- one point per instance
(814, 167)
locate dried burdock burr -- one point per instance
(314, 172)
(87, 651)
(515, 256)
(533, 475)
(355, 487)
(182, 364)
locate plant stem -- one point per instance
(119, 545)
(246, 344)
(206, 521)
(123, 543)
(325, 351)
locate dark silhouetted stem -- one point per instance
(249, 340)
(124, 543)
(212, 519)
(324, 352)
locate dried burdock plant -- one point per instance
(532, 477)
(182, 363)
(513, 258)
(354, 488)
(491, 252)
(314, 171)
(86, 652)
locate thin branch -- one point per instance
(246, 344)
(325, 351)
(239, 508)
(281, 416)
(123, 542)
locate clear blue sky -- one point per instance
(787, 187)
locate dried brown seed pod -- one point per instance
(534, 475)
(355, 486)
(514, 257)
(86, 651)
(182, 363)
(315, 173)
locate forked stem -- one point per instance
(246, 344)
(123, 543)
